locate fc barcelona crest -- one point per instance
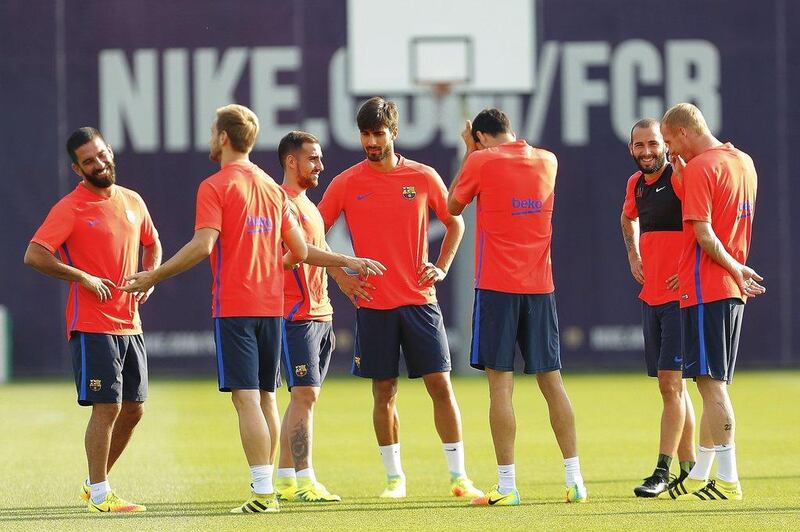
(409, 192)
(301, 370)
(95, 385)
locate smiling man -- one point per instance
(98, 229)
(308, 339)
(386, 201)
(651, 228)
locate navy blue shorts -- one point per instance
(662, 337)
(109, 368)
(415, 330)
(502, 321)
(248, 353)
(711, 338)
(307, 349)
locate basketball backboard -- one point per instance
(405, 47)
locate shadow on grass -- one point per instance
(222, 508)
(367, 504)
(592, 482)
(722, 507)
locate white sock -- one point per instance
(307, 473)
(726, 463)
(507, 478)
(286, 472)
(100, 491)
(390, 455)
(572, 472)
(702, 467)
(261, 476)
(454, 453)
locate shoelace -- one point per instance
(651, 477)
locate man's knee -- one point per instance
(384, 391)
(711, 389)
(439, 387)
(245, 399)
(501, 385)
(268, 398)
(105, 412)
(131, 411)
(304, 396)
(670, 386)
(550, 383)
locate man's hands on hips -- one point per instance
(430, 274)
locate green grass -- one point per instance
(186, 464)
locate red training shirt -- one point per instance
(387, 214)
(100, 236)
(719, 187)
(515, 187)
(252, 214)
(658, 208)
(305, 289)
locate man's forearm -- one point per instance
(325, 258)
(452, 239)
(188, 256)
(59, 270)
(453, 184)
(629, 234)
(711, 245)
(152, 256)
(41, 260)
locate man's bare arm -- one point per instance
(434, 273)
(40, 259)
(197, 249)
(747, 279)
(630, 234)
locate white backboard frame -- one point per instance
(380, 34)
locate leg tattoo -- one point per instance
(299, 442)
(729, 418)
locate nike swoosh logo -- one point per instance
(687, 366)
(660, 189)
(492, 502)
(92, 223)
(364, 196)
(453, 449)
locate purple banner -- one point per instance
(150, 74)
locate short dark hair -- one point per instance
(644, 123)
(78, 138)
(292, 142)
(490, 122)
(377, 113)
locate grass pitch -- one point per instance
(186, 464)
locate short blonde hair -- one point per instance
(241, 125)
(687, 116)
